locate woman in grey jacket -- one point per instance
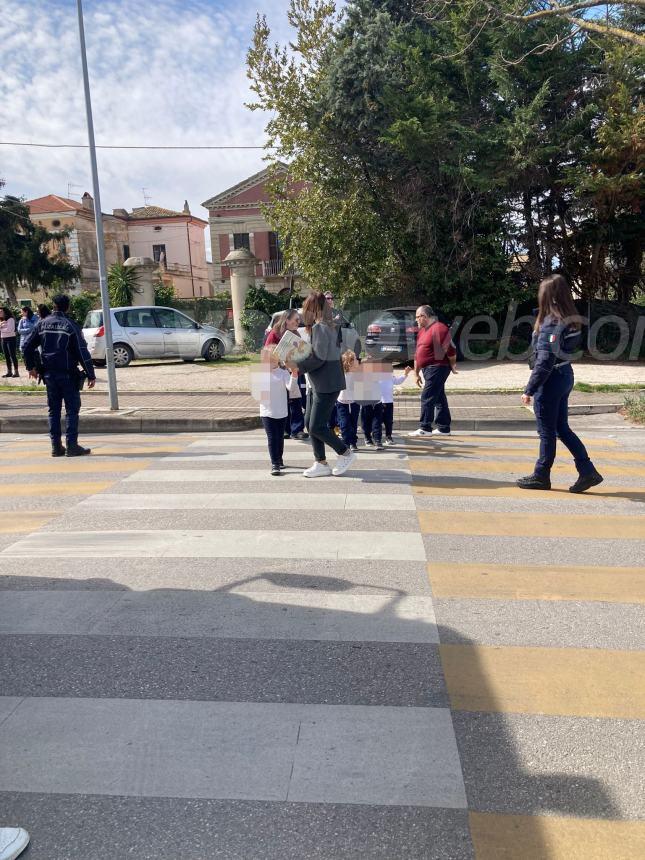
(327, 380)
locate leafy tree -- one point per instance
(30, 255)
(81, 303)
(164, 293)
(122, 282)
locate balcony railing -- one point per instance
(272, 268)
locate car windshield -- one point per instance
(94, 319)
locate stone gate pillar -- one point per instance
(242, 264)
(146, 269)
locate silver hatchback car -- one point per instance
(154, 332)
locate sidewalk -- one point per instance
(153, 411)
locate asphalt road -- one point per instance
(417, 660)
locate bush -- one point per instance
(122, 282)
(164, 293)
(635, 408)
(80, 304)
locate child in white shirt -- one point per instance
(387, 382)
(269, 387)
(347, 410)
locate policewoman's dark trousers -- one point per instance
(551, 402)
(388, 418)
(10, 356)
(434, 403)
(61, 388)
(274, 428)
(319, 408)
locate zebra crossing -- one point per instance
(412, 661)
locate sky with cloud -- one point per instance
(162, 72)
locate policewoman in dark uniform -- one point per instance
(556, 338)
(62, 350)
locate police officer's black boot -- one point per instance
(534, 482)
(77, 450)
(584, 482)
(58, 449)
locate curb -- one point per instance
(150, 423)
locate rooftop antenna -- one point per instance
(71, 185)
(146, 197)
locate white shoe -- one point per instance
(420, 432)
(318, 470)
(13, 841)
(343, 463)
(437, 432)
(388, 441)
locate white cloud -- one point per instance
(162, 72)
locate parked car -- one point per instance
(393, 335)
(154, 332)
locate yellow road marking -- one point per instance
(459, 465)
(509, 837)
(63, 488)
(471, 439)
(65, 466)
(531, 525)
(14, 522)
(558, 681)
(530, 582)
(524, 452)
(443, 485)
(98, 451)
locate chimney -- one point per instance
(120, 213)
(186, 209)
(87, 201)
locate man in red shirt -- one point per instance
(435, 358)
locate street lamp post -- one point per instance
(100, 245)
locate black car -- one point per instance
(393, 335)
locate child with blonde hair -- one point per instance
(347, 410)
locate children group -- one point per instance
(285, 394)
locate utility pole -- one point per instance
(98, 217)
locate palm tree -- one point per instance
(122, 283)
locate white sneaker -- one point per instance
(437, 432)
(388, 441)
(318, 470)
(420, 432)
(13, 841)
(343, 463)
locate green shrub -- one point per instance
(635, 408)
(80, 304)
(164, 293)
(122, 282)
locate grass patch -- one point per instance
(23, 389)
(635, 408)
(588, 388)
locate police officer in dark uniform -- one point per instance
(556, 338)
(62, 349)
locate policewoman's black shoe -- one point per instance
(584, 482)
(533, 482)
(58, 450)
(77, 451)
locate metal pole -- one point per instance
(100, 246)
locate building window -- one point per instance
(159, 254)
(241, 240)
(275, 251)
(55, 223)
(126, 252)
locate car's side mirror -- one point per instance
(196, 325)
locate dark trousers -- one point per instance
(333, 418)
(274, 428)
(551, 404)
(61, 388)
(372, 421)
(434, 403)
(319, 409)
(388, 418)
(296, 416)
(348, 421)
(10, 354)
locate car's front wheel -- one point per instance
(123, 355)
(213, 350)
